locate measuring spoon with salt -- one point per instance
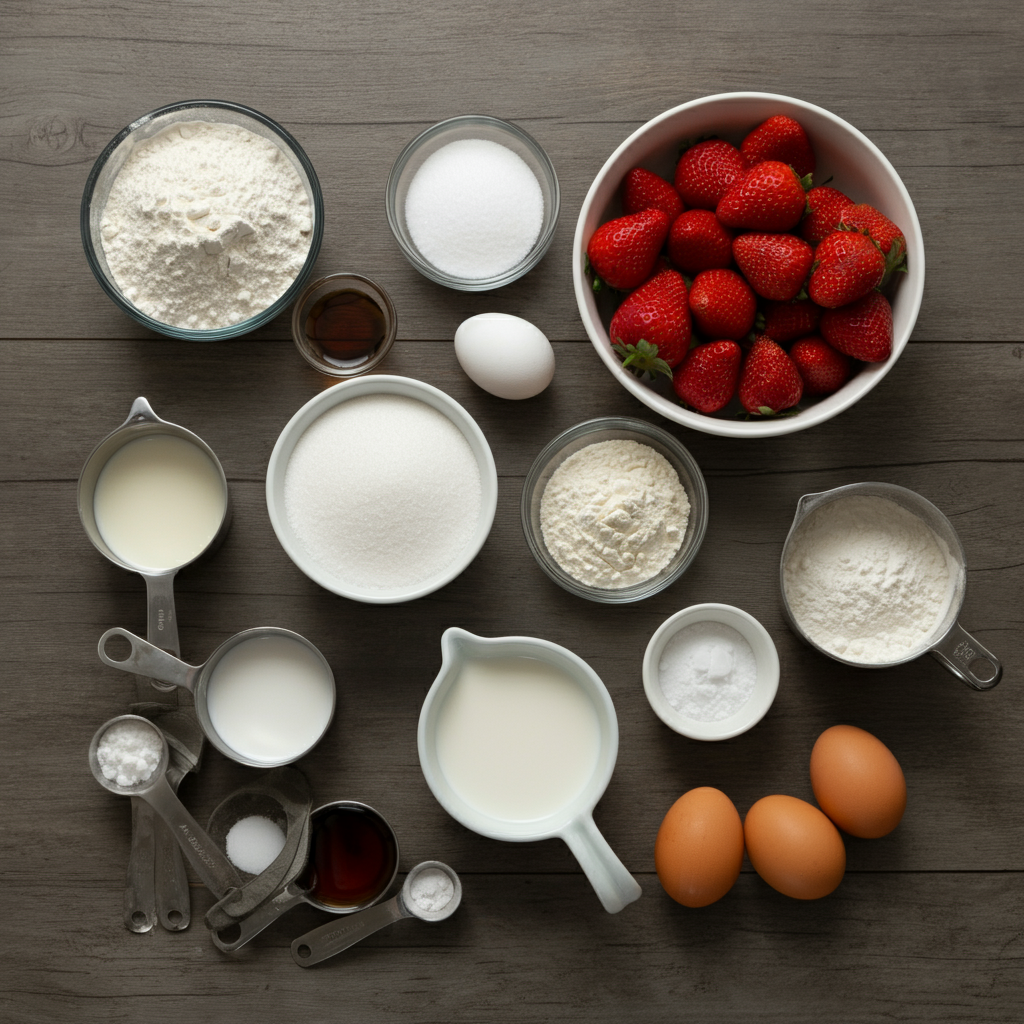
(214, 869)
(332, 938)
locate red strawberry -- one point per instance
(779, 138)
(770, 197)
(862, 330)
(784, 321)
(656, 312)
(824, 207)
(698, 241)
(623, 251)
(707, 380)
(645, 190)
(886, 235)
(847, 266)
(822, 368)
(775, 266)
(722, 304)
(707, 171)
(769, 382)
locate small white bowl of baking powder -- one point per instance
(711, 671)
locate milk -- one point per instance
(159, 501)
(270, 698)
(517, 738)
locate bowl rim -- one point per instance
(243, 326)
(766, 686)
(822, 411)
(699, 509)
(391, 384)
(544, 239)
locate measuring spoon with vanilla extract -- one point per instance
(353, 859)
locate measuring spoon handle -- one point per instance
(967, 659)
(149, 660)
(331, 938)
(262, 917)
(217, 873)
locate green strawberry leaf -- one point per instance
(642, 358)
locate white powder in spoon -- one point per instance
(253, 843)
(432, 889)
(383, 491)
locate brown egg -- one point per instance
(857, 782)
(794, 847)
(699, 850)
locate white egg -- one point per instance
(506, 355)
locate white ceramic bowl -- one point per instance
(858, 168)
(387, 385)
(765, 688)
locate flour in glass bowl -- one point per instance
(206, 225)
(868, 580)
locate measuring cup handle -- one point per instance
(614, 885)
(213, 868)
(331, 938)
(967, 659)
(262, 917)
(162, 624)
(148, 660)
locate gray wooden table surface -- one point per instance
(928, 924)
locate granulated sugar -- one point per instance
(253, 843)
(474, 209)
(383, 491)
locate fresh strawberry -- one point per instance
(645, 190)
(707, 380)
(623, 251)
(847, 266)
(770, 197)
(698, 241)
(779, 138)
(822, 368)
(886, 235)
(824, 207)
(769, 382)
(785, 321)
(722, 304)
(862, 330)
(775, 266)
(707, 171)
(657, 312)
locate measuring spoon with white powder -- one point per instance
(264, 698)
(432, 892)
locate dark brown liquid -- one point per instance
(347, 325)
(353, 855)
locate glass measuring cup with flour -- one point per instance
(517, 741)
(153, 498)
(874, 575)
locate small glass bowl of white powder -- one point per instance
(711, 671)
(473, 202)
(614, 509)
(202, 220)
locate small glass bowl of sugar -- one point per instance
(711, 671)
(473, 202)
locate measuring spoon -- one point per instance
(214, 869)
(334, 937)
(302, 887)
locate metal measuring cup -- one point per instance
(214, 869)
(301, 888)
(157, 886)
(149, 660)
(949, 643)
(332, 938)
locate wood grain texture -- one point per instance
(927, 924)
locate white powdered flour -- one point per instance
(383, 491)
(206, 225)
(868, 580)
(614, 514)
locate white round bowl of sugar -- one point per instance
(382, 489)
(711, 671)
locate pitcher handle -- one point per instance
(615, 886)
